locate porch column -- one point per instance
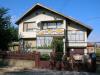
(64, 51)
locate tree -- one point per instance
(7, 32)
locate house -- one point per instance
(39, 25)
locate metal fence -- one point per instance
(17, 55)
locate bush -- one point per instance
(57, 44)
(44, 47)
(44, 57)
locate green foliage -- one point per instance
(57, 44)
(44, 47)
(44, 57)
(97, 51)
(59, 57)
(14, 33)
(7, 32)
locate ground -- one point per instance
(20, 71)
(47, 72)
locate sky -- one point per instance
(86, 11)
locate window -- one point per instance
(29, 44)
(29, 26)
(81, 35)
(44, 42)
(75, 36)
(59, 24)
(45, 26)
(52, 25)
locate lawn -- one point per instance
(98, 52)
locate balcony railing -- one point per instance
(29, 34)
(76, 44)
(52, 32)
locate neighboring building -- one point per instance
(90, 47)
(14, 46)
(39, 25)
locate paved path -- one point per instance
(48, 72)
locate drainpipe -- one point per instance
(64, 48)
(95, 46)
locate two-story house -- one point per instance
(39, 25)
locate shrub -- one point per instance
(57, 45)
(44, 57)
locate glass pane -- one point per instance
(51, 25)
(29, 26)
(45, 26)
(48, 41)
(38, 42)
(81, 36)
(59, 24)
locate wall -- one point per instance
(18, 63)
(21, 63)
(91, 49)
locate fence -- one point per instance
(17, 55)
(55, 61)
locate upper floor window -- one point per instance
(76, 36)
(52, 25)
(29, 26)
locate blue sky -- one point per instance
(86, 11)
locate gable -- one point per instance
(42, 15)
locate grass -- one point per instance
(98, 52)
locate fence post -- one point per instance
(37, 59)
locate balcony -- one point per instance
(30, 34)
(27, 35)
